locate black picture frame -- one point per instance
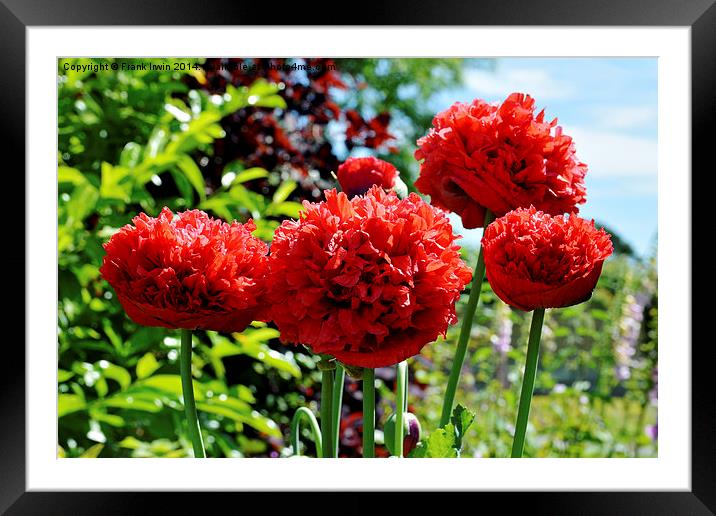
(17, 15)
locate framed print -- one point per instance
(415, 247)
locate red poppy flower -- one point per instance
(534, 260)
(479, 156)
(190, 272)
(357, 175)
(368, 280)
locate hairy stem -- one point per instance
(187, 386)
(528, 382)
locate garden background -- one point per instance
(253, 138)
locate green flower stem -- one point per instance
(465, 331)
(368, 412)
(337, 403)
(400, 401)
(187, 388)
(304, 414)
(327, 412)
(407, 386)
(528, 382)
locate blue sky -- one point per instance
(609, 107)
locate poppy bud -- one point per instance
(357, 175)
(411, 432)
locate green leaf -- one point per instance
(115, 372)
(265, 229)
(261, 87)
(115, 339)
(147, 403)
(271, 101)
(144, 338)
(178, 110)
(446, 442)
(157, 142)
(100, 385)
(82, 202)
(601, 315)
(68, 403)
(263, 93)
(241, 412)
(260, 94)
(243, 393)
(146, 366)
(92, 452)
(195, 99)
(86, 273)
(440, 444)
(186, 190)
(287, 208)
(153, 166)
(97, 413)
(561, 331)
(157, 448)
(228, 402)
(201, 130)
(237, 99)
(219, 205)
(169, 383)
(191, 171)
(63, 376)
(116, 183)
(70, 175)
(131, 155)
(258, 350)
(250, 174)
(247, 199)
(461, 419)
(131, 443)
(283, 191)
(258, 335)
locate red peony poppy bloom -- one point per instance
(357, 175)
(481, 156)
(535, 260)
(190, 272)
(368, 280)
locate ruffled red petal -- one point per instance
(368, 280)
(480, 155)
(534, 260)
(188, 271)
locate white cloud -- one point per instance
(626, 117)
(501, 82)
(614, 154)
(470, 237)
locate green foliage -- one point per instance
(446, 442)
(581, 407)
(403, 88)
(127, 144)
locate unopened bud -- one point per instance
(411, 433)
